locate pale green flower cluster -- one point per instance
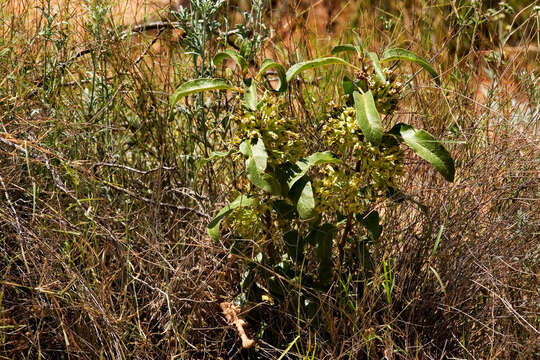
(365, 173)
(248, 221)
(386, 94)
(280, 134)
(283, 141)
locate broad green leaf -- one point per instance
(389, 139)
(245, 148)
(306, 202)
(256, 166)
(303, 165)
(295, 192)
(324, 236)
(379, 74)
(275, 285)
(295, 245)
(268, 64)
(196, 86)
(429, 149)
(284, 173)
(261, 179)
(284, 209)
(233, 55)
(368, 117)
(323, 157)
(402, 54)
(371, 222)
(213, 226)
(250, 94)
(306, 65)
(259, 155)
(344, 48)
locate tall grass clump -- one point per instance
(238, 180)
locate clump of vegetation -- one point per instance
(296, 220)
(241, 195)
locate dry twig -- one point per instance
(230, 311)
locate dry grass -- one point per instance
(104, 252)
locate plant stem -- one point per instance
(343, 241)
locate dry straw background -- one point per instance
(103, 248)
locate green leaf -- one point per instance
(295, 245)
(437, 241)
(371, 222)
(233, 55)
(213, 226)
(344, 48)
(429, 149)
(306, 65)
(361, 47)
(216, 155)
(288, 348)
(324, 236)
(196, 86)
(250, 94)
(443, 289)
(245, 148)
(284, 173)
(284, 209)
(379, 74)
(306, 202)
(268, 64)
(402, 54)
(259, 155)
(318, 158)
(368, 117)
(260, 179)
(256, 166)
(303, 165)
(390, 140)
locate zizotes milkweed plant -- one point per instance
(303, 212)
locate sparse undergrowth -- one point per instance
(108, 184)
